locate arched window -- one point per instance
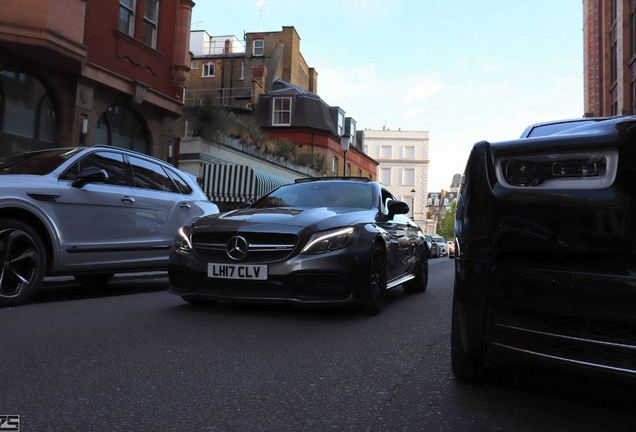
(120, 127)
(28, 116)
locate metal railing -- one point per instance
(223, 96)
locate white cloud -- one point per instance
(423, 89)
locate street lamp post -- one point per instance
(345, 140)
(413, 204)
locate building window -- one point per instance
(127, 16)
(258, 47)
(208, 69)
(614, 61)
(28, 116)
(348, 170)
(334, 166)
(194, 65)
(632, 88)
(409, 152)
(385, 176)
(120, 127)
(242, 70)
(385, 152)
(281, 112)
(408, 177)
(632, 32)
(360, 173)
(151, 17)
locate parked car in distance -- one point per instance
(89, 212)
(450, 248)
(441, 244)
(433, 249)
(545, 271)
(323, 241)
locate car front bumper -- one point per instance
(336, 278)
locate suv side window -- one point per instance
(149, 175)
(111, 162)
(185, 189)
(386, 197)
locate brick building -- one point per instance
(81, 71)
(267, 80)
(609, 31)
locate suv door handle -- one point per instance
(128, 199)
(185, 206)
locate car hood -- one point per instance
(314, 219)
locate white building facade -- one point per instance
(403, 166)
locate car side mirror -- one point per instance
(397, 207)
(90, 175)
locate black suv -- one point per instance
(545, 267)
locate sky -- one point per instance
(462, 70)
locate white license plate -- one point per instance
(237, 271)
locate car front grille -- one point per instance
(262, 247)
(603, 344)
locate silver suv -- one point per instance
(442, 245)
(89, 212)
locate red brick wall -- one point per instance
(129, 56)
(324, 143)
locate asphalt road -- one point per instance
(137, 358)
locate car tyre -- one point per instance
(24, 259)
(419, 283)
(94, 281)
(465, 367)
(375, 297)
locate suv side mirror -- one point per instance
(397, 207)
(90, 175)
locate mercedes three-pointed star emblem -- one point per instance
(236, 248)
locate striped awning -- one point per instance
(238, 183)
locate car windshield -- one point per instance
(37, 163)
(320, 194)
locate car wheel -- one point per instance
(94, 281)
(24, 261)
(375, 296)
(198, 300)
(465, 367)
(419, 283)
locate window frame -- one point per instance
(258, 51)
(382, 149)
(383, 173)
(205, 70)
(131, 15)
(153, 25)
(408, 176)
(277, 113)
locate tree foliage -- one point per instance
(208, 119)
(447, 225)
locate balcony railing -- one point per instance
(222, 46)
(227, 96)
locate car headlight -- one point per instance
(327, 241)
(580, 170)
(183, 239)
